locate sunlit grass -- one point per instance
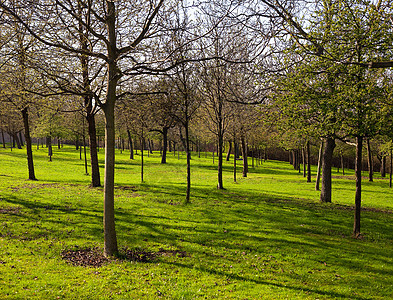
(264, 237)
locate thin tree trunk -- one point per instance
(2, 135)
(391, 168)
(252, 156)
(29, 150)
(317, 180)
(383, 166)
(17, 141)
(165, 144)
(85, 155)
(327, 160)
(342, 162)
(131, 144)
(358, 195)
(95, 168)
(229, 151)
(142, 162)
(304, 162)
(220, 184)
(49, 143)
(188, 154)
(234, 161)
(244, 155)
(21, 139)
(369, 161)
(308, 161)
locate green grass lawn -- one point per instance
(265, 237)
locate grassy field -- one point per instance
(265, 237)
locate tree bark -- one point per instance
(20, 139)
(49, 143)
(95, 168)
(188, 153)
(30, 163)
(304, 162)
(220, 184)
(229, 151)
(164, 144)
(391, 168)
(84, 153)
(234, 160)
(16, 140)
(131, 144)
(369, 162)
(342, 162)
(245, 157)
(110, 239)
(358, 195)
(327, 160)
(383, 166)
(2, 135)
(317, 180)
(308, 161)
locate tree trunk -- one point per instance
(29, 150)
(142, 162)
(391, 168)
(188, 154)
(131, 144)
(342, 162)
(327, 160)
(85, 155)
(252, 156)
(244, 155)
(95, 168)
(2, 135)
(304, 162)
(369, 162)
(383, 166)
(358, 195)
(16, 140)
(308, 161)
(164, 144)
(229, 151)
(110, 239)
(220, 184)
(21, 139)
(49, 143)
(317, 180)
(234, 161)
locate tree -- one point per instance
(114, 38)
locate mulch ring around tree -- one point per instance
(94, 257)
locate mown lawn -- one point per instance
(265, 237)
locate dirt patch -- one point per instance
(90, 257)
(10, 210)
(94, 257)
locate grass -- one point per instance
(265, 237)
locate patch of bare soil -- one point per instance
(90, 257)
(94, 257)
(10, 210)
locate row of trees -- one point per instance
(242, 71)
